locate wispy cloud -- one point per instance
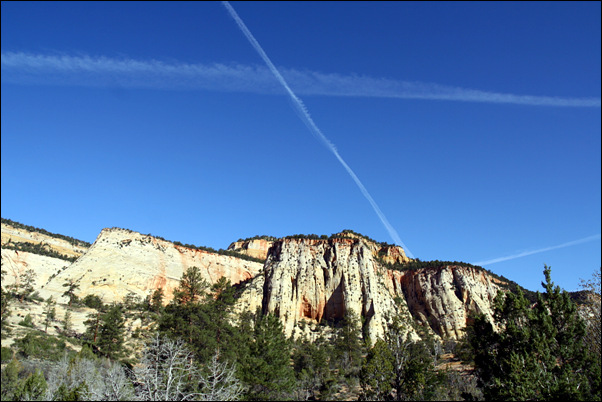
(85, 70)
(541, 250)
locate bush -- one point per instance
(7, 354)
(27, 321)
(93, 301)
(40, 346)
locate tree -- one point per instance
(109, 332)
(165, 371)
(593, 312)
(156, 300)
(49, 312)
(218, 381)
(378, 373)
(191, 287)
(5, 310)
(83, 379)
(265, 361)
(24, 284)
(71, 286)
(311, 361)
(536, 353)
(348, 348)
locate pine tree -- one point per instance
(265, 362)
(111, 333)
(378, 373)
(536, 353)
(71, 286)
(191, 288)
(348, 347)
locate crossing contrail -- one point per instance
(541, 250)
(306, 117)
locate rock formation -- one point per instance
(304, 281)
(307, 281)
(256, 248)
(122, 261)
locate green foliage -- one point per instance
(93, 301)
(31, 388)
(10, 379)
(27, 321)
(264, 363)
(71, 286)
(347, 346)
(191, 288)
(49, 312)
(204, 324)
(7, 354)
(106, 331)
(156, 300)
(39, 345)
(5, 306)
(378, 372)
(37, 248)
(538, 353)
(311, 361)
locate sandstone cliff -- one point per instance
(122, 261)
(13, 234)
(256, 248)
(307, 281)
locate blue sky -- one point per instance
(474, 127)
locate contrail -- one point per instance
(541, 250)
(304, 113)
(85, 70)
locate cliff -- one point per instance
(308, 281)
(122, 261)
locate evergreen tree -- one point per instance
(265, 361)
(49, 312)
(536, 353)
(348, 347)
(378, 373)
(5, 310)
(71, 286)
(111, 333)
(311, 361)
(191, 288)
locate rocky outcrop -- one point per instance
(311, 280)
(256, 248)
(307, 281)
(12, 234)
(122, 261)
(444, 297)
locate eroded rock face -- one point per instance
(122, 261)
(313, 280)
(256, 248)
(444, 297)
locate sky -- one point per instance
(463, 131)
